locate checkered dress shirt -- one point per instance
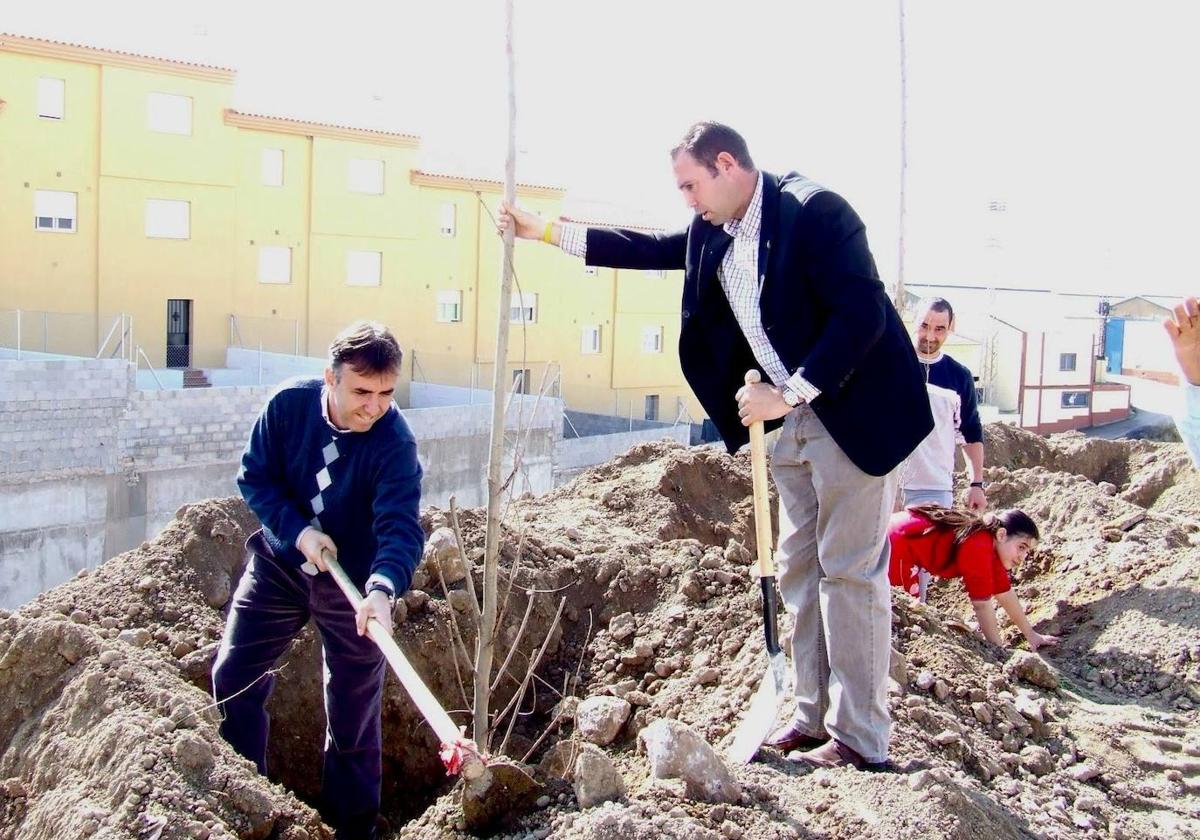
(742, 284)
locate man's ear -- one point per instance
(725, 161)
(329, 377)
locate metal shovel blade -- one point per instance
(764, 710)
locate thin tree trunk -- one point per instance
(903, 163)
(487, 630)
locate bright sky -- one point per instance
(1081, 116)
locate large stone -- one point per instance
(441, 555)
(622, 627)
(1037, 760)
(599, 719)
(501, 796)
(676, 751)
(597, 779)
(1031, 668)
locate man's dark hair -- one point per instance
(368, 347)
(705, 140)
(938, 304)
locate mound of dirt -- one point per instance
(649, 557)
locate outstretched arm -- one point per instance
(1012, 606)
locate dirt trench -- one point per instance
(104, 728)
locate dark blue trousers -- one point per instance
(271, 605)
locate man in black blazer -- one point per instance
(778, 277)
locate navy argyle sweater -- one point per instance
(363, 489)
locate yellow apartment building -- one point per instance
(135, 201)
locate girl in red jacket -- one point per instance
(982, 550)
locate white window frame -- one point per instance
(51, 208)
(274, 264)
(651, 399)
(1062, 361)
(520, 380)
(589, 341)
(163, 217)
(523, 308)
(447, 298)
(652, 339)
(169, 113)
(1062, 399)
(366, 176)
(448, 219)
(656, 273)
(364, 268)
(270, 167)
(51, 98)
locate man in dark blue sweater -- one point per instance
(331, 466)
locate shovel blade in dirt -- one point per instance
(778, 679)
(773, 689)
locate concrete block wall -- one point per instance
(173, 428)
(58, 418)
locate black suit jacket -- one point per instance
(823, 308)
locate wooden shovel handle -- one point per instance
(762, 498)
(426, 703)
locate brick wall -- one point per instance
(175, 427)
(60, 418)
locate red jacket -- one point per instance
(918, 543)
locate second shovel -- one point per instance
(777, 679)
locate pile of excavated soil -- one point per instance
(104, 729)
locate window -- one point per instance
(589, 270)
(656, 273)
(365, 176)
(274, 264)
(521, 381)
(169, 114)
(54, 210)
(363, 268)
(271, 167)
(51, 98)
(449, 306)
(652, 339)
(447, 225)
(168, 219)
(523, 308)
(1066, 361)
(652, 406)
(590, 343)
(1075, 399)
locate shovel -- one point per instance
(777, 679)
(494, 786)
(458, 753)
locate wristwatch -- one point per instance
(789, 396)
(379, 587)
(982, 485)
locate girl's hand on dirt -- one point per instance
(375, 606)
(1037, 640)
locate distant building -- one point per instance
(1134, 341)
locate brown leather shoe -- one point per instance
(792, 737)
(836, 754)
